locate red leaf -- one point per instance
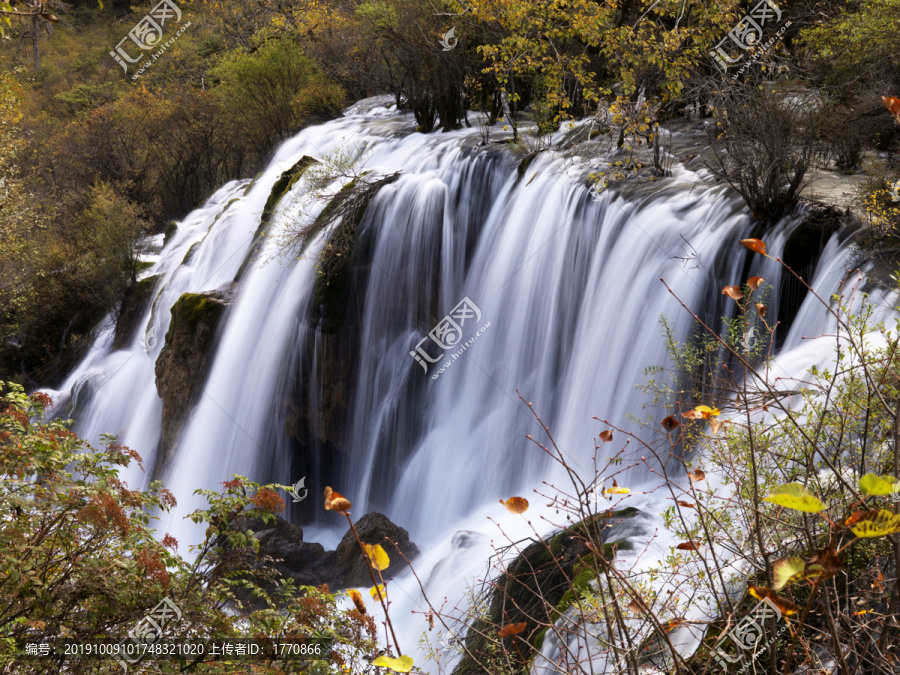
(754, 245)
(606, 436)
(733, 292)
(334, 501)
(511, 629)
(754, 282)
(516, 504)
(670, 423)
(696, 475)
(784, 605)
(689, 546)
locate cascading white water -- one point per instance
(571, 288)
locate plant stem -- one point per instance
(374, 582)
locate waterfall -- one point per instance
(568, 295)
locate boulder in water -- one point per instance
(182, 365)
(541, 583)
(309, 564)
(372, 528)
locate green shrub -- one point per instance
(79, 560)
(274, 91)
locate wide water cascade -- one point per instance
(563, 295)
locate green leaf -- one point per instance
(787, 571)
(870, 484)
(795, 496)
(402, 665)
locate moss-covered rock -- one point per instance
(281, 187)
(169, 232)
(525, 163)
(334, 278)
(542, 582)
(190, 253)
(183, 362)
(131, 310)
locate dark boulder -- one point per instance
(541, 583)
(309, 564)
(372, 528)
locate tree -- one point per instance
(768, 145)
(274, 90)
(37, 12)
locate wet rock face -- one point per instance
(184, 360)
(541, 583)
(132, 309)
(372, 528)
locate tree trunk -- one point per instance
(35, 28)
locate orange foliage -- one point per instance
(268, 500)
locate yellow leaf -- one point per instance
(378, 557)
(795, 496)
(787, 571)
(707, 412)
(401, 665)
(875, 524)
(617, 491)
(377, 592)
(870, 484)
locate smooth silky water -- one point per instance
(568, 281)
